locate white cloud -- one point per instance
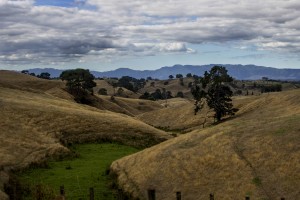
(142, 27)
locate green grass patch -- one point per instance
(77, 175)
(256, 181)
(280, 131)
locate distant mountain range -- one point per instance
(240, 72)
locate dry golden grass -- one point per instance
(257, 153)
(178, 115)
(111, 91)
(134, 106)
(173, 85)
(25, 82)
(34, 121)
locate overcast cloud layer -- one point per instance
(101, 30)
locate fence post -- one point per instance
(151, 194)
(120, 195)
(39, 192)
(247, 198)
(178, 195)
(62, 191)
(211, 197)
(282, 198)
(92, 194)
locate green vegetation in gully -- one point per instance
(89, 169)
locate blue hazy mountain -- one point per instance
(240, 72)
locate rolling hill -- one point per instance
(254, 154)
(38, 117)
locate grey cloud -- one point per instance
(142, 27)
(253, 56)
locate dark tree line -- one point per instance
(271, 88)
(157, 95)
(131, 83)
(43, 75)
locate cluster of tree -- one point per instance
(157, 95)
(212, 90)
(264, 88)
(78, 81)
(271, 88)
(43, 75)
(27, 72)
(131, 83)
(188, 75)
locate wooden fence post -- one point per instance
(120, 195)
(247, 198)
(92, 194)
(211, 197)
(151, 194)
(39, 195)
(62, 191)
(178, 195)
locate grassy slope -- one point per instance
(37, 114)
(173, 85)
(257, 154)
(178, 115)
(34, 121)
(131, 107)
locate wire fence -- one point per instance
(118, 195)
(90, 193)
(178, 196)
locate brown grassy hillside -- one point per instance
(257, 153)
(131, 107)
(178, 115)
(34, 122)
(38, 115)
(173, 86)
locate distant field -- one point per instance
(79, 174)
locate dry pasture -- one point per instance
(256, 153)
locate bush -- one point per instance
(271, 88)
(180, 94)
(102, 91)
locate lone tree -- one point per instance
(212, 89)
(79, 81)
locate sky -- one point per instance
(104, 35)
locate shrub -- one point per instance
(102, 91)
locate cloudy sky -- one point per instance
(142, 34)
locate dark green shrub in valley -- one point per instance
(180, 94)
(271, 88)
(102, 91)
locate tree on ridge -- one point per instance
(212, 89)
